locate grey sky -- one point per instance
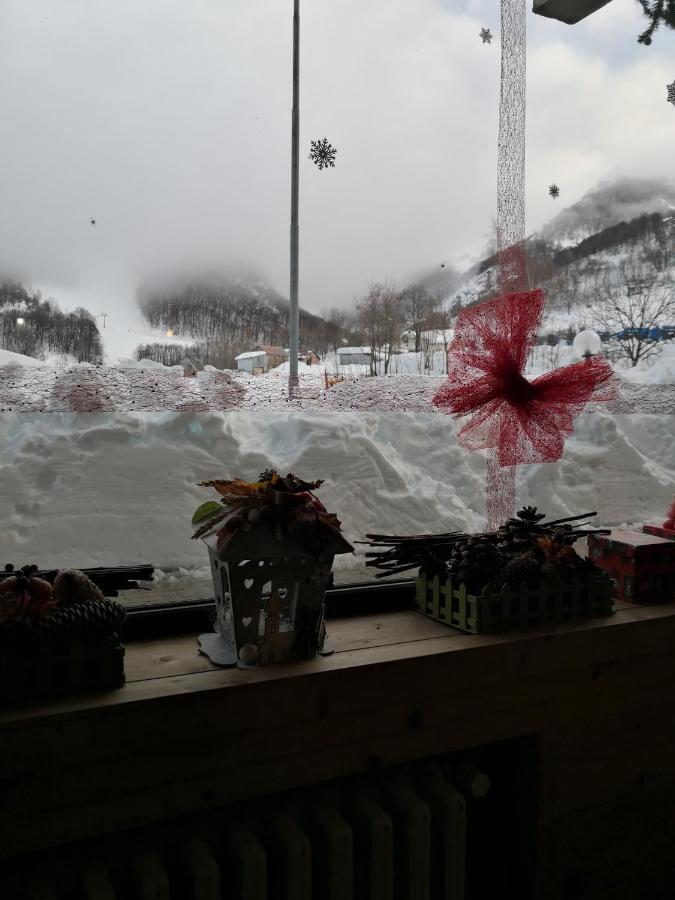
(169, 122)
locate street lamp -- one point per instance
(586, 344)
(20, 321)
(568, 11)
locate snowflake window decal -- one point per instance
(486, 35)
(322, 153)
(554, 191)
(671, 93)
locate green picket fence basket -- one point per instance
(549, 603)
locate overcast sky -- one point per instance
(169, 123)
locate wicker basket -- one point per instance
(73, 650)
(549, 603)
(48, 671)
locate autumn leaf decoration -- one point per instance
(285, 503)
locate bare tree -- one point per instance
(379, 315)
(442, 321)
(417, 304)
(633, 310)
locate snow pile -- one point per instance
(87, 388)
(661, 372)
(147, 364)
(7, 358)
(94, 490)
(86, 490)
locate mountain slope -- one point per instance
(607, 205)
(617, 231)
(225, 316)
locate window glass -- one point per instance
(144, 265)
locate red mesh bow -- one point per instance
(525, 421)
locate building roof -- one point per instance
(355, 350)
(271, 351)
(250, 354)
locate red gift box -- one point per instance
(641, 564)
(660, 531)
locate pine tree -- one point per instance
(657, 11)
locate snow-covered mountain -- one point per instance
(223, 315)
(607, 205)
(619, 229)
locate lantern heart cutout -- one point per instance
(283, 593)
(248, 582)
(246, 621)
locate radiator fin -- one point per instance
(149, 878)
(412, 839)
(290, 858)
(96, 883)
(373, 846)
(448, 833)
(245, 864)
(332, 853)
(197, 872)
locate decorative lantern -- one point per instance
(271, 550)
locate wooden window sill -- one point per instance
(183, 735)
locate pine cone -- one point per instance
(523, 568)
(474, 561)
(432, 565)
(89, 620)
(530, 514)
(72, 586)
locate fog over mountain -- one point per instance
(214, 315)
(609, 204)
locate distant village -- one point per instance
(263, 358)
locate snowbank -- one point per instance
(97, 489)
(147, 364)
(7, 358)
(661, 372)
(117, 485)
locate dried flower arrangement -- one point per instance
(271, 544)
(50, 632)
(285, 504)
(524, 559)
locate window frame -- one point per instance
(154, 621)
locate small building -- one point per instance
(253, 361)
(275, 355)
(354, 356)
(429, 340)
(189, 369)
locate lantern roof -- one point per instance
(568, 11)
(261, 542)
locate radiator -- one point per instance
(396, 835)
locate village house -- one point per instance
(354, 356)
(252, 361)
(275, 355)
(429, 340)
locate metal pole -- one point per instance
(294, 318)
